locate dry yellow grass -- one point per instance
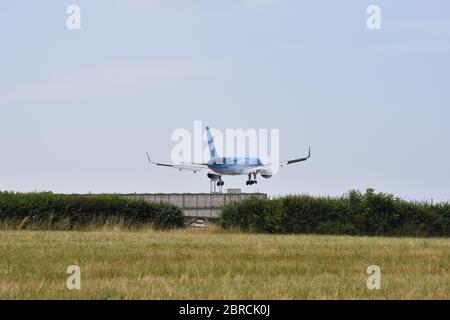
(214, 264)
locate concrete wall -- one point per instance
(205, 205)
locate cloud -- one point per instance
(109, 79)
(155, 4)
(410, 47)
(436, 28)
(257, 2)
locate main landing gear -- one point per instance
(213, 184)
(249, 182)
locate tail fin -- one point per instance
(212, 148)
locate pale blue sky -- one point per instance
(78, 109)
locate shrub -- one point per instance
(254, 214)
(306, 214)
(168, 216)
(354, 213)
(47, 209)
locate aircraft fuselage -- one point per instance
(232, 166)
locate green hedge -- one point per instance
(355, 213)
(73, 211)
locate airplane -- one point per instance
(223, 166)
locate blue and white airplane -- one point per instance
(231, 166)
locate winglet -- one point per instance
(148, 157)
(301, 159)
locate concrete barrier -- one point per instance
(204, 205)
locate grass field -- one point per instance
(215, 264)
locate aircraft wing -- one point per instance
(280, 164)
(284, 163)
(186, 166)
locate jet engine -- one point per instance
(213, 176)
(266, 173)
